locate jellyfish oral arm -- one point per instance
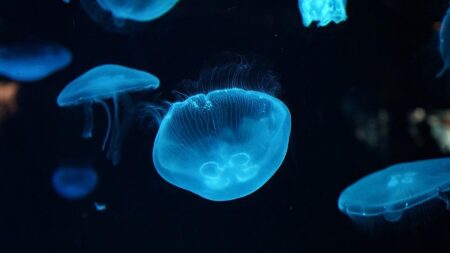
(108, 131)
(88, 121)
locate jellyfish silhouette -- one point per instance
(32, 61)
(120, 16)
(444, 40)
(322, 11)
(222, 145)
(74, 182)
(391, 192)
(107, 82)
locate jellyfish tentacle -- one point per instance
(88, 121)
(108, 131)
(111, 154)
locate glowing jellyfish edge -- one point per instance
(215, 168)
(392, 211)
(322, 11)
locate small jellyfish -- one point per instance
(391, 192)
(74, 182)
(322, 11)
(222, 145)
(102, 83)
(28, 62)
(118, 12)
(444, 40)
(99, 206)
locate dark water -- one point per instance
(383, 58)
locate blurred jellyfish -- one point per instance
(28, 62)
(439, 123)
(322, 11)
(8, 99)
(99, 206)
(107, 82)
(224, 144)
(444, 40)
(74, 182)
(391, 192)
(117, 14)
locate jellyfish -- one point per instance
(74, 183)
(224, 144)
(107, 82)
(28, 62)
(119, 13)
(444, 40)
(322, 11)
(391, 192)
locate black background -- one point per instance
(387, 50)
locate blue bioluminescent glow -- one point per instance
(444, 40)
(222, 145)
(390, 192)
(99, 206)
(107, 82)
(322, 11)
(74, 182)
(33, 61)
(137, 10)
(125, 16)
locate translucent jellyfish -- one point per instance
(119, 12)
(107, 82)
(391, 192)
(74, 182)
(222, 145)
(444, 40)
(322, 11)
(28, 62)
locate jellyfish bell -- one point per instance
(74, 182)
(396, 190)
(32, 61)
(137, 10)
(322, 11)
(107, 82)
(126, 16)
(224, 144)
(444, 40)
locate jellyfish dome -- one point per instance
(28, 62)
(116, 15)
(107, 82)
(390, 192)
(74, 182)
(444, 40)
(137, 10)
(222, 145)
(322, 11)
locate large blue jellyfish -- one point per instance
(119, 12)
(107, 82)
(391, 192)
(74, 182)
(34, 61)
(444, 40)
(222, 145)
(322, 11)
